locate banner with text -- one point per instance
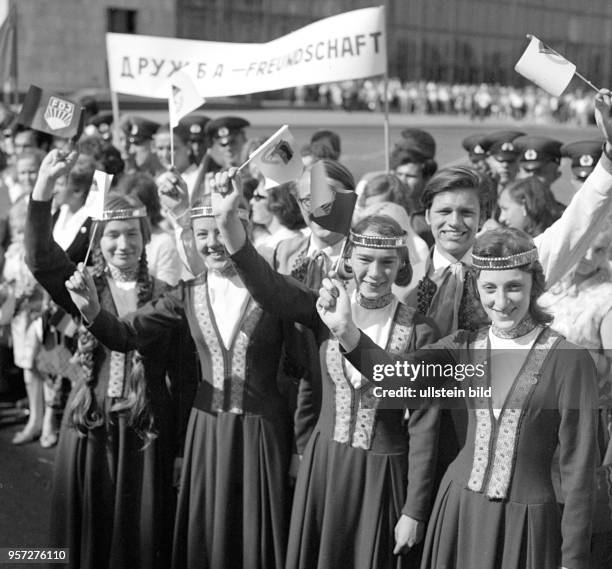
(347, 46)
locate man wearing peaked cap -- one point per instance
(502, 155)
(136, 138)
(227, 139)
(100, 124)
(196, 125)
(540, 156)
(584, 155)
(476, 153)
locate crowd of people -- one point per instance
(440, 98)
(202, 354)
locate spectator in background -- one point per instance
(136, 137)
(196, 125)
(181, 160)
(584, 155)
(278, 211)
(330, 139)
(524, 205)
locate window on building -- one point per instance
(121, 21)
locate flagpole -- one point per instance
(115, 109)
(172, 147)
(91, 240)
(339, 259)
(386, 95)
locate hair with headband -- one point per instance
(507, 247)
(385, 227)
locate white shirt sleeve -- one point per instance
(565, 242)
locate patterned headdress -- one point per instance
(503, 263)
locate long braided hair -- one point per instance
(84, 413)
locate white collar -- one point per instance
(440, 261)
(332, 251)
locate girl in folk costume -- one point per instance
(362, 492)
(233, 499)
(113, 498)
(496, 506)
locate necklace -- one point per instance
(373, 303)
(525, 326)
(123, 275)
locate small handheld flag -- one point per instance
(547, 68)
(331, 207)
(278, 159)
(50, 113)
(183, 97)
(95, 204)
(95, 198)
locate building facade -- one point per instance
(60, 43)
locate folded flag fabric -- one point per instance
(278, 158)
(47, 112)
(331, 207)
(183, 97)
(97, 193)
(545, 67)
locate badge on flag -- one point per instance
(331, 207)
(95, 198)
(545, 67)
(50, 113)
(278, 159)
(183, 97)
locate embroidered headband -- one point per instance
(502, 263)
(378, 241)
(119, 214)
(207, 211)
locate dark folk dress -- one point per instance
(496, 506)
(363, 466)
(233, 508)
(113, 501)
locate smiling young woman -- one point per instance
(363, 486)
(113, 498)
(496, 505)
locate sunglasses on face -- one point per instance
(305, 202)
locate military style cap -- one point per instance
(537, 150)
(584, 155)
(418, 141)
(472, 144)
(138, 129)
(222, 127)
(102, 123)
(500, 145)
(196, 125)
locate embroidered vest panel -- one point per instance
(358, 427)
(120, 363)
(496, 441)
(228, 367)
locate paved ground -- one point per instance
(25, 472)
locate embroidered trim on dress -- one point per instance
(239, 351)
(342, 420)
(365, 423)
(482, 437)
(512, 414)
(203, 316)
